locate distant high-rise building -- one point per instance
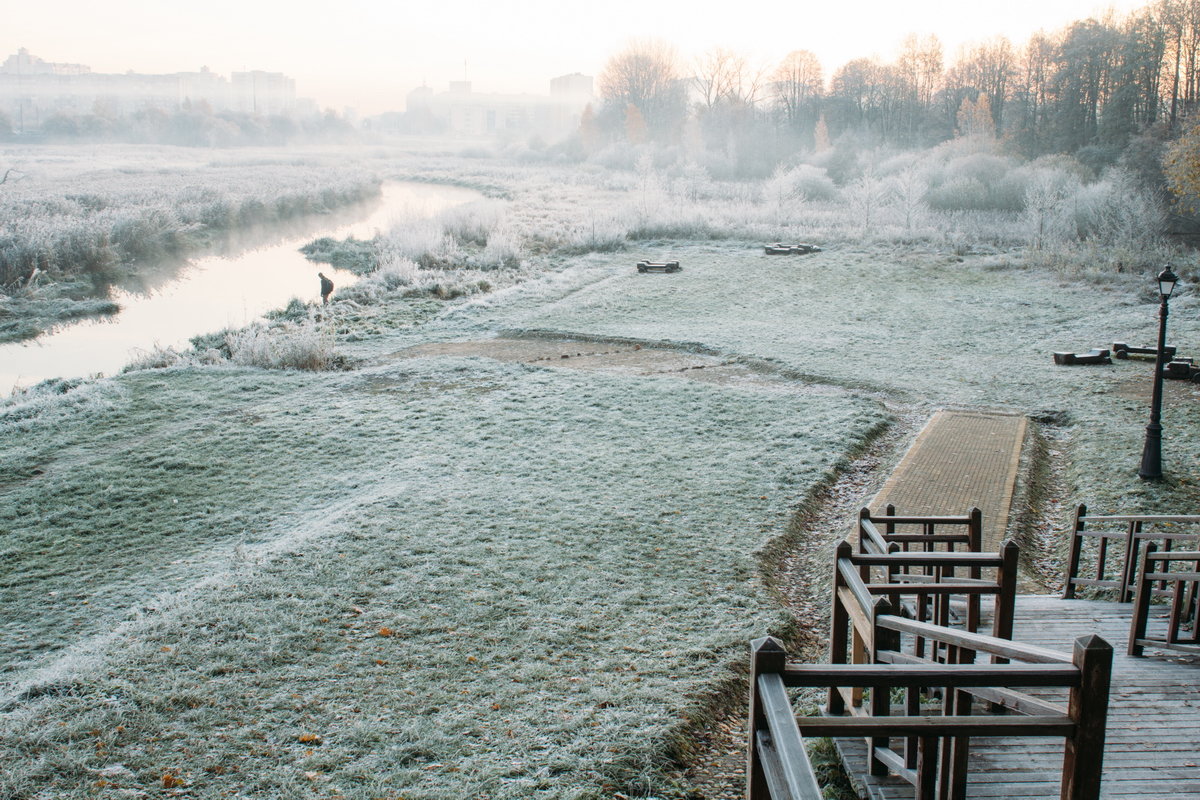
(573, 85)
(33, 90)
(463, 112)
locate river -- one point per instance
(210, 293)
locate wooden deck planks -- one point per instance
(1152, 747)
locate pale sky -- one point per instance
(369, 54)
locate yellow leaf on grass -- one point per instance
(310, 738)
(386, 632)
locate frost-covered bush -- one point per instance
(157, 357)
(304, 345)
(693, 183)
(1116, 211)
(906, 193)
(503, 249)
(471, 223)
(975, 182)
(802, 183)
(415, 240)
(1046, 214)
(865, 199)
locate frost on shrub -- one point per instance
(975, 182)
(290, 345)
(906, 191)
(1046, 218)
(693, 183)
(157, 357)
(865, 198)
(1116, 212)
(502, 250)
(473, 235)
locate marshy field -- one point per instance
(499, 521)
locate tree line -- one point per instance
(1103, 89)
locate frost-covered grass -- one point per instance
(929, 326)
(443, 578)
(451, 578)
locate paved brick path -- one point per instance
(960, 460)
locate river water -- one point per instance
(174, 302)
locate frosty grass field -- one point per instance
(449, 577)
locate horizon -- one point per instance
(370, 68)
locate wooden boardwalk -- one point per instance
(1152, 745)
(960, 460)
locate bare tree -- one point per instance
(797, 87)
(646, 75)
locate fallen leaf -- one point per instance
(386, 632)
(310, 738)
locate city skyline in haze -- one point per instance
(368, 56)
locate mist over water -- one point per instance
(211, 293)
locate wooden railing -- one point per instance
(1119, 541)
(779, 768)
(927, 534)
(875, 650)
(923, 586)
(1174, 575)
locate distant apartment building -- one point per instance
(33, 90)
(463, 112)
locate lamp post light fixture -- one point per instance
(1151, 469)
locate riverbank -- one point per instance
(73, 226)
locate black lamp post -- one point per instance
(1152, 451)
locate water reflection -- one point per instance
(168, 303)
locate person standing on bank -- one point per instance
(326, 288)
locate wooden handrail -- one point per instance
(788, 771)
(926, 674)
(1182, 518)
(777, 765)
(1057, 725)
(935, 761)
(915, 559)
(1183, 589)
(1129, 540)
(973, 641)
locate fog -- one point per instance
(368, 56)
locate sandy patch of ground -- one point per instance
(627, 357)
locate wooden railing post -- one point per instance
(1083, 758)
(839, 627)
(1141, 601)
(766, 655)
(881, 696)
(975, 531)
(1005, 608)
(1073, 557)
(1129, 565)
